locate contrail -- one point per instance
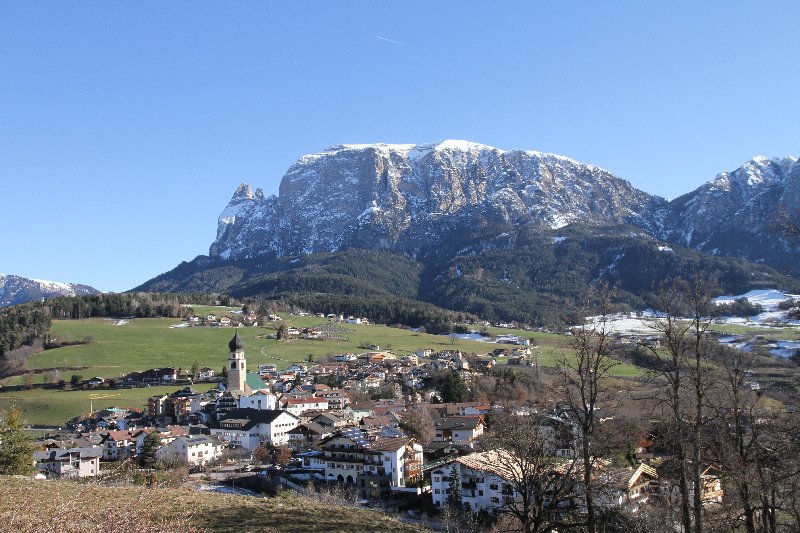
(390, 40)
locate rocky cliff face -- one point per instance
(411, 197)
(16, 290)
(731, 215)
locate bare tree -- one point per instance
(583, 376)
(687, 311)
(545, 487)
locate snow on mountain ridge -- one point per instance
(16, 290)
(406, 196)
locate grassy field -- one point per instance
(55, 407)
(781, 333)
(139, 344)
(62, 506)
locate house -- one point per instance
(308, 435)
(118, 445)
(375, 467)
(224, 321)
(259, 400)
(195, 450)
(70, 463)
(622, 485)
(165, 434)
(249, 428)
(297, 406)
(154, 375)
(330, 420)
(205, 373)
(345, 357)
(461, 430)
(485, 481)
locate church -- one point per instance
(241, 381)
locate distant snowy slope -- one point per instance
(16, 290)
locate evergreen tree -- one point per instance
(454, 498)
(150, 445)
(454, 388)
(16, 445)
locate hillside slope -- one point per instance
(27, 506)
(493, 271)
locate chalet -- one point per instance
(249, 428)
(69, 463)
(461, 430)
(621, 485)
(308, 435)
(329, 420)
(376, 467)
(337, 399)
(261, 400)
(485, 480)
(154, 375)
(297, 406)
(118, 445)
(205, 373)
(195, 450)
(165, 435)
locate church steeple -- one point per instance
(236, 342)
(237, 364)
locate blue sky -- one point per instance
(126, 127)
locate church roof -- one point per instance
(255, 382)
(236, 342)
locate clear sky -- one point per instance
(125, 127)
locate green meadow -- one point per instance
(119, 348)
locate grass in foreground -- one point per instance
(28, 505)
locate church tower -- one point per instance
(237, 365)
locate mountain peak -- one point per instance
(243, 192)
(16, 290)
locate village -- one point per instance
(368, 423)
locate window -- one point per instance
(493, 486)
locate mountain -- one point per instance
(16, 290)
(498, 272)
(411, 198)
(513, 235)
(731, 214)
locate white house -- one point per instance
(376, 467)
(73, 462)
(261, 400)
(461, 430)
(195, 450)
(249, 428)
(484, 481)
(298, 406)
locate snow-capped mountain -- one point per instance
(16, 290)
(412, 197)
(731, 214)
